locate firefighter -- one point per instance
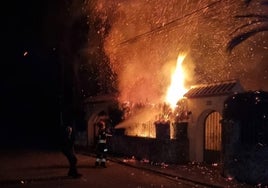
(101, 150)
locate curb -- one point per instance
(171, 175)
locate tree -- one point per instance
(85, 69)
(261, 22)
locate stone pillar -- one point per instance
(181, 130)
(162, 130)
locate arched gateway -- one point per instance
(206, 104)
(212, 138)
(96, 108)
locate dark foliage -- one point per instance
(259, 24)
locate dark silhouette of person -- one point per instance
(68, 142)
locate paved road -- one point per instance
(31, 168)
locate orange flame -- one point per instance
(176, 89)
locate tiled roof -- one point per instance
(205, 90)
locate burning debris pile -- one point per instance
(146, 120)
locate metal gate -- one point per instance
(212, 145)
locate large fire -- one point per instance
(141, 118)
(176, 89)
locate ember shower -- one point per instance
(146, 37)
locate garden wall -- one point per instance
(175, 151)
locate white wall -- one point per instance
(200, 108)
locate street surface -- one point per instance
(31, 168)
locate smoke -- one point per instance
(142, 50)
(145, 38)
(142, 115)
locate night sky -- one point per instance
(29, 73)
